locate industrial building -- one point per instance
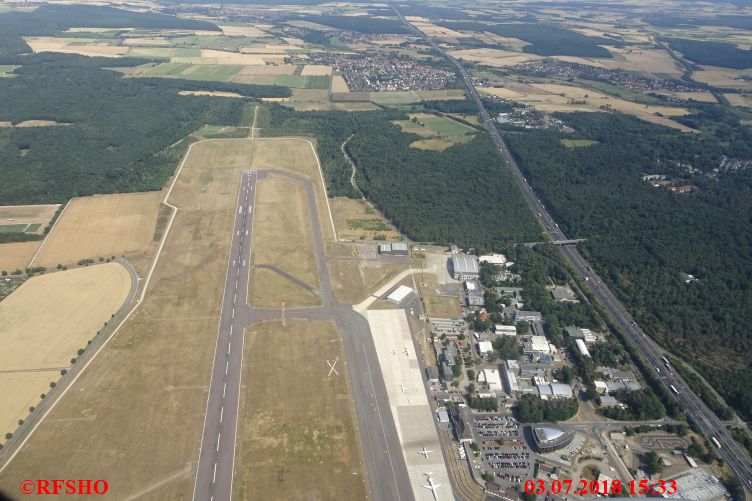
(527, 316)
(464, 267)
(564, 294)
(447, 326)
(432, 374)
(537, 345)
(607, 401)
(505, 330)
(552, 391)
(497, 259)
(699, 486)
(402, 295)
(492, 379)
(474, 293)
(547, 438)
(510, 382)
(393, 249)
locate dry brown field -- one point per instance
(142, 400)
(494, 57)
(282, 234)
(63, 45)
(33, 123)
(739, 99)
(102, 225)
(339, 84)
(650, 61)
(306, 444)
(316, 69)
(42, 325)
(17, 255)
(356, 220)
(347, 281)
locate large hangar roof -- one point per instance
(465, 264)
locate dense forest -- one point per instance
(642, 238)
(726, 55)
(362, 24)
(545, 39)
(115, 131)
(462, 195)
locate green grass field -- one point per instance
(303, 82)
(578, 143)
(216, 72)
(439, 132)
(7, 68)
(13, 228)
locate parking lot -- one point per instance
(503, 448)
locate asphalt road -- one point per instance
(217, 455)
(708, 423)
(385, 465)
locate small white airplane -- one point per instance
(432, 486)
(425, 452)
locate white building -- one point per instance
(536, 345)
(582, 348)
(498, 259)
(485, 347)
(552, 391)
(402, 295)
(492, 378)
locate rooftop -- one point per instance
(462, 263)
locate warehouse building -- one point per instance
(537, 345)
(553, 391)
(527, 316)
(492, 379)
(402, 295)
(699, 486)
(464, 267)
(393, 249)
(447, 326)
(505, 330)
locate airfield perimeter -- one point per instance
(135, 416)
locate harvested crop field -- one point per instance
(494, 57)
(102, 225)
(17, 255)
(725, 78)
(339, 84)
(316, 69)
(242, 31)
(297, 436)
(44, 322)
(744, 100)
(142, 400)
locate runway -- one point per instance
(217, 454)
(382, 453)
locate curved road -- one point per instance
(708, 423)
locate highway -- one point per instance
(736, 458)
(217, 454)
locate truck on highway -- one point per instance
(715, 442)
(673, 388)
